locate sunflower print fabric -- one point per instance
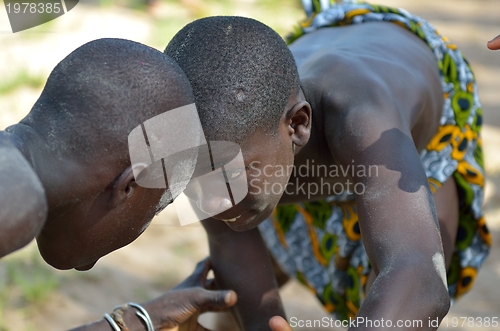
(318, 243)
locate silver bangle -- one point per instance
(112, 322)
(143, 314)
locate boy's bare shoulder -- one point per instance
(371, 52)
(23, 205)
(372, 70)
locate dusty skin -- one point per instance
(135, 271)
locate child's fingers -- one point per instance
(201, 270)
(210, 284)
(215, 300)
(182, 307)
(198, 277)
(494, 44)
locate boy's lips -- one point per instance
(232, 219)
(237, 221)
(244, 222)
(229, 216)
(227, 219)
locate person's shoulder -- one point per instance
(375, 75)
(359, 59)
(18, 179)
(23, 205)
(348, 84)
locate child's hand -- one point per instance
(494, 44)
(278, 323)
(181, 306)
(198, 278)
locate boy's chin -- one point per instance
(85, 267)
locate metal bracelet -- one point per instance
(143, 314)
(112, 322)
(117, 315)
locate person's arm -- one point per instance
(22, 200)
(494, 44)
(397, 217)
(180, 306)
(241, 262)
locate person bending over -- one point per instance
(366, 131)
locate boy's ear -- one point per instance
(299, 122)
(123, 188)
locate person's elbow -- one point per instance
(434, 291)
(441, 301)
(423, 283)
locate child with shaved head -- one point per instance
(363, 156)
(66, 177)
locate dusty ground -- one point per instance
(35, 297)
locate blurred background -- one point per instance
(33, 296)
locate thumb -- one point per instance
(278, 323)
(494, 44)
(216, 300)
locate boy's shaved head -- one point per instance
(100, 92)
(76, 141)
(241, 71)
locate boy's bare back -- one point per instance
(351, 72)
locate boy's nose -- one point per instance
(213, 204)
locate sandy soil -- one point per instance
(166, 252)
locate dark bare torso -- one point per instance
(353, 69)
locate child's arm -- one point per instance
(397, 216)
(241, 262)
(22, 201)
(177, 309)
